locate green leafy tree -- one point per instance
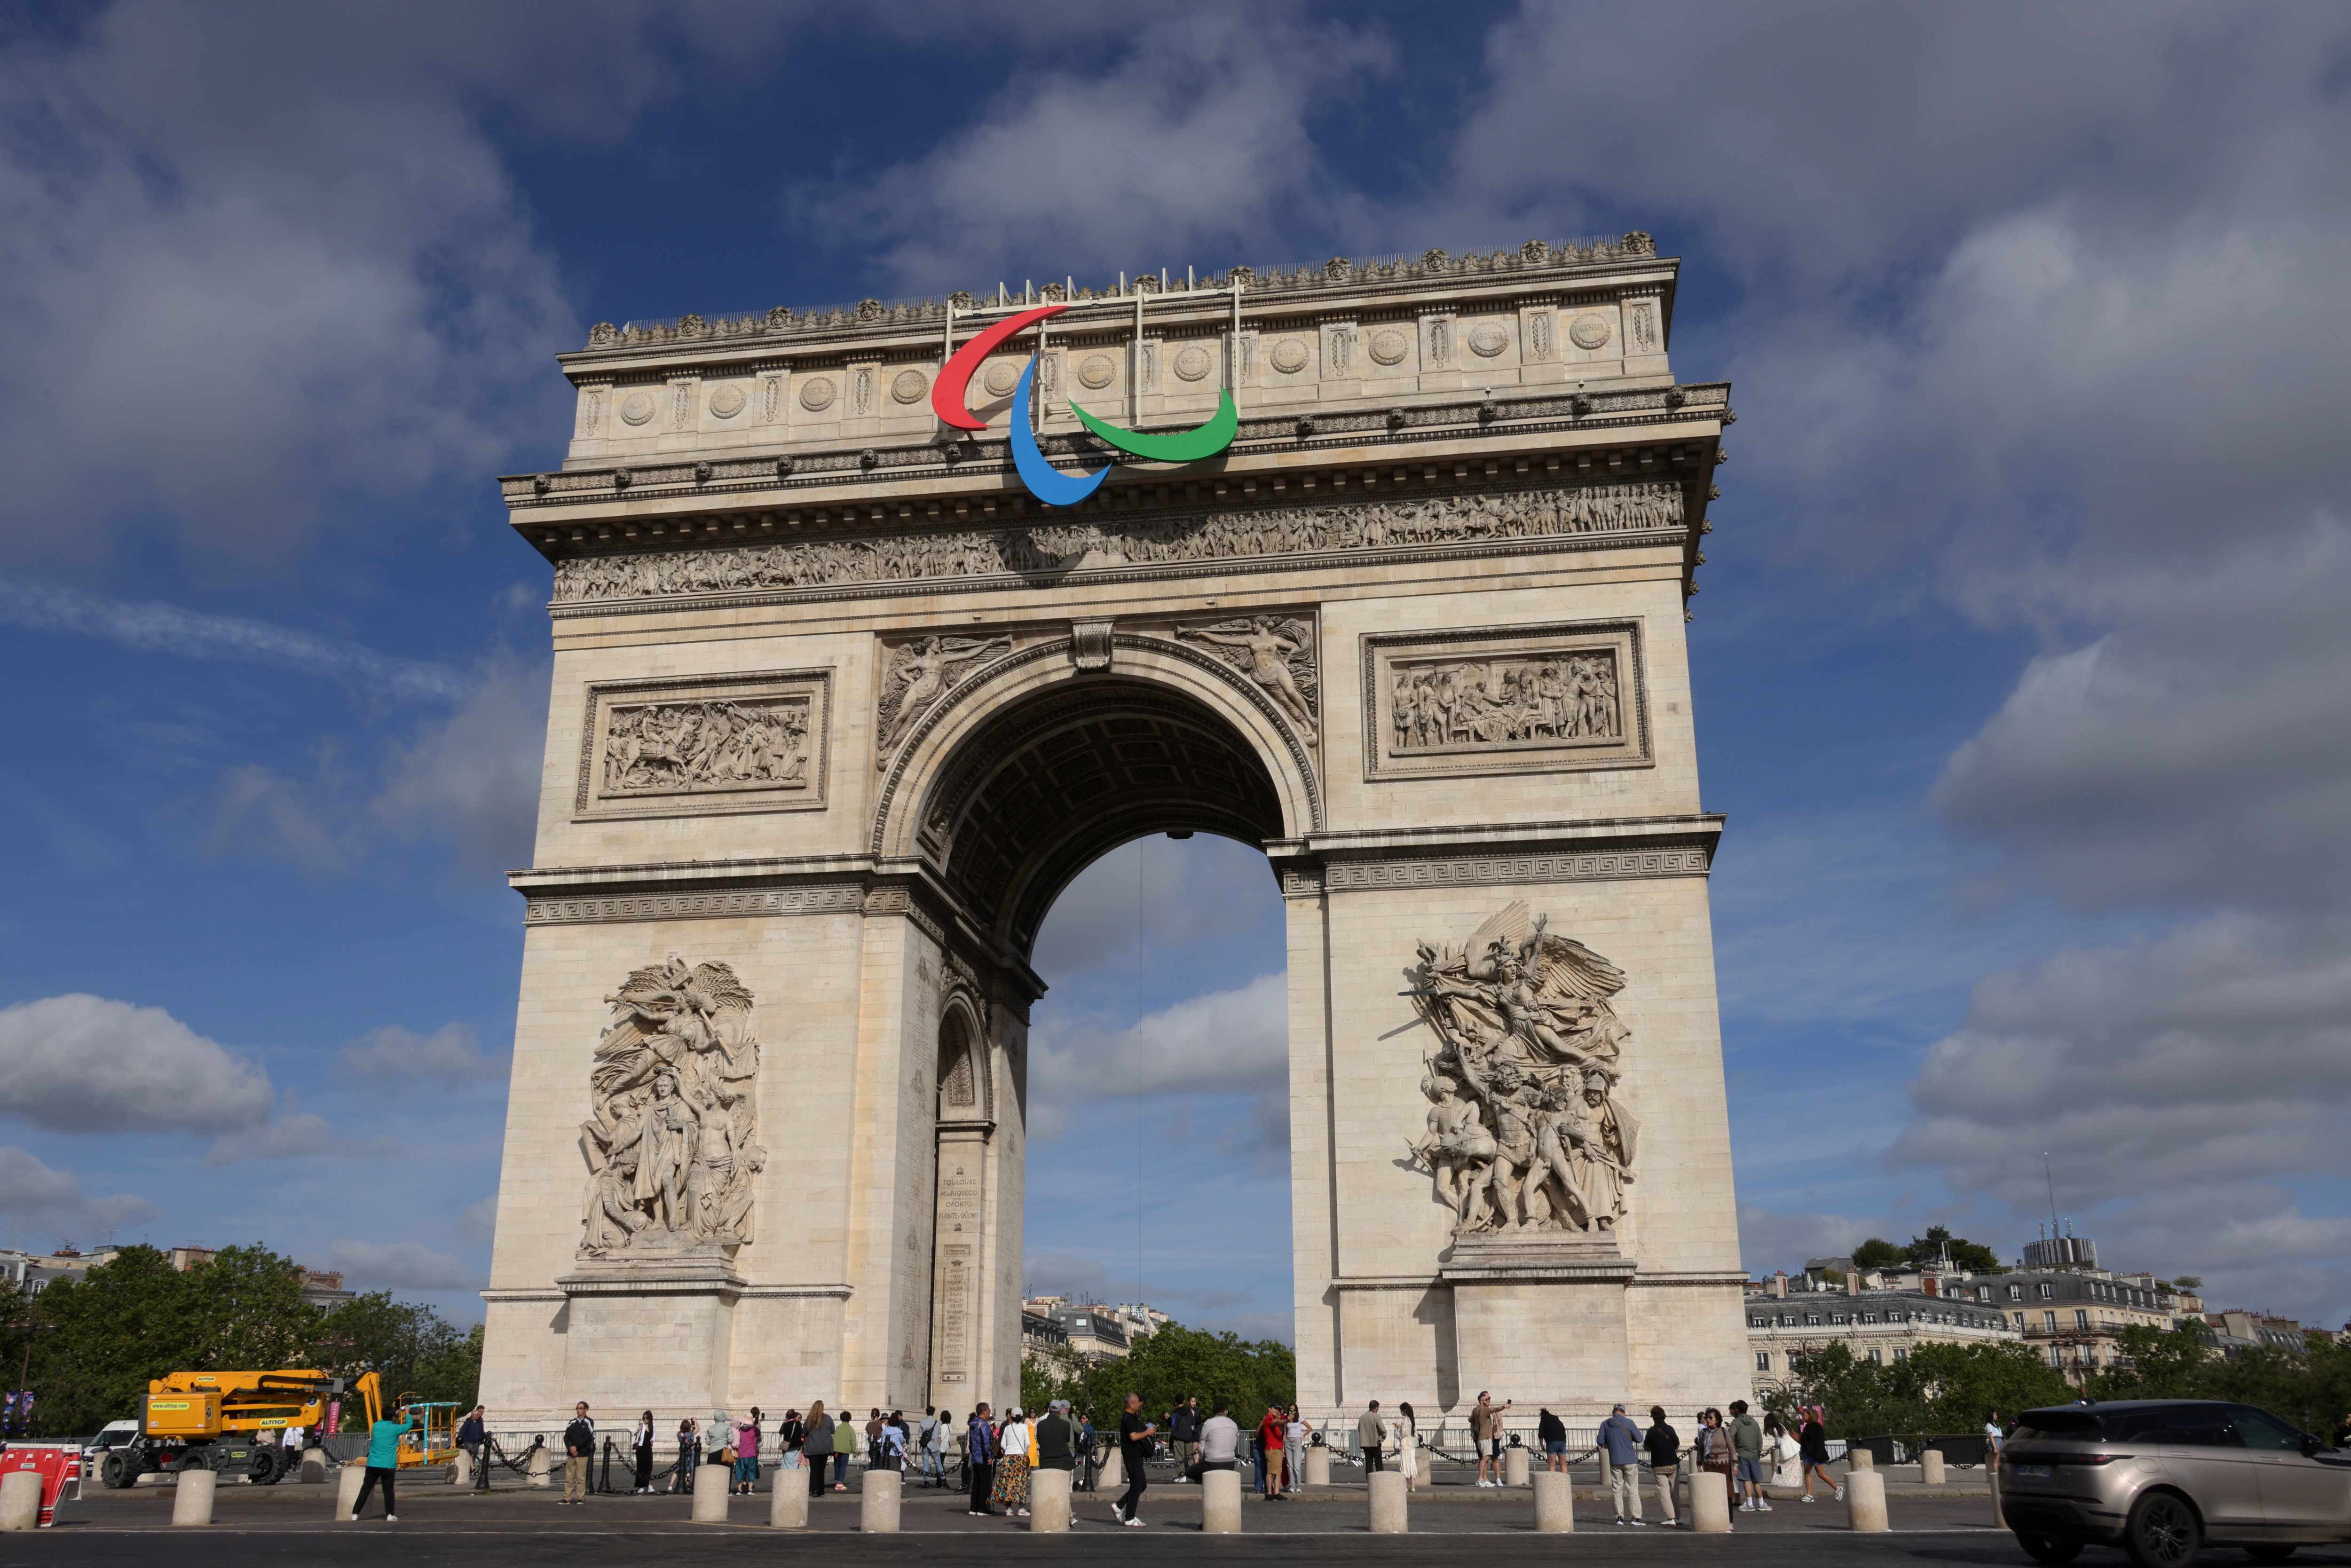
(1938, 1243)
(1877, 1253)
(1166, 1367)
(1939, 1388)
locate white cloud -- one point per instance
(53, 1200)
(1221, 1043)
(399, 1266)
(1194, 141)
(193, 634)
(1174, 893)
(469, 781)
(392, 1058)
(80, 1063)
(479, 1222)
(2176, 1087)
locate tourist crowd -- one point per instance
(992, 1457)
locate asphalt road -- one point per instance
(290, 1526)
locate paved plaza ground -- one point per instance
(257, 1527)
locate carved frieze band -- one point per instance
(963, 557)
(710, 904)
(1480, 871)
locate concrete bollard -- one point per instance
(20, 1500)
(1991, 1478)
(1709, 1501)
(192, 1500)
(314, 1467)
(1930, 1467)
(541, 1471)
(1859, 1460)
(1049, 1500)
(1317, 1467)
(787, 1503)
(1388, 1505)
(1113, 1471)
(348, 1479)
(1221, 1503)
(878, 1499)
(1554, 1502)
(711, 1496)
(1514, 1467)
(1865, 1502)
(461, 1469)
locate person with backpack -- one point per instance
(1183, 1434)
(928, 1443)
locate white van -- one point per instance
(113, 1435)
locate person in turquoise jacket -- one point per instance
(384, 1461)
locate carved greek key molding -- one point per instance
(1480, 871)
(712, 904)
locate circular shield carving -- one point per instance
(1289, 356)
(1388, 348)
(908, 386)
(1192, 363)
(1003, 375)
(1487, 340)
(818, 392)
(1096, 372)
(727, 402)
(1588, 332)
(638, 409)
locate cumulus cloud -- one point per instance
(1171, 894)
(399, 1266)
(1194, 141)
(392, 1058)
(469, 780)
(53, 1200)
(80, 1063)
(1222, 1042)
(2177, 1088)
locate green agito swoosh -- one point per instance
(1176, 446)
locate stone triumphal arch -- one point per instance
(839, 708)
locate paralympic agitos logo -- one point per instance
(1045, 482)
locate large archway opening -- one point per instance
(1110, 831)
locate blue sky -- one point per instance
(2021, 672)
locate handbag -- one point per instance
(725, 1456)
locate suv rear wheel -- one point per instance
(2043, 1549)
(2163, 1531)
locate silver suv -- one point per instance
(2160, 1478)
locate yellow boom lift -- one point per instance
(233, 1423)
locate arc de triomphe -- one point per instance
(839, 707)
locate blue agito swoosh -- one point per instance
(1045, 482)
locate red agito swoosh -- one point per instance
(955, 376)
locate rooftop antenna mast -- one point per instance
(2052, 1181)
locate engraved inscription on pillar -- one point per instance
(960, 1221)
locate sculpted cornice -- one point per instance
(1503, 854)
(806, 477)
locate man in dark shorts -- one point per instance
(1134, 1435)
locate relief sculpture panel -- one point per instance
(1526, 1133)
(750, 742)
(673, 1146)
(1508, 700)
(1274, 652)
